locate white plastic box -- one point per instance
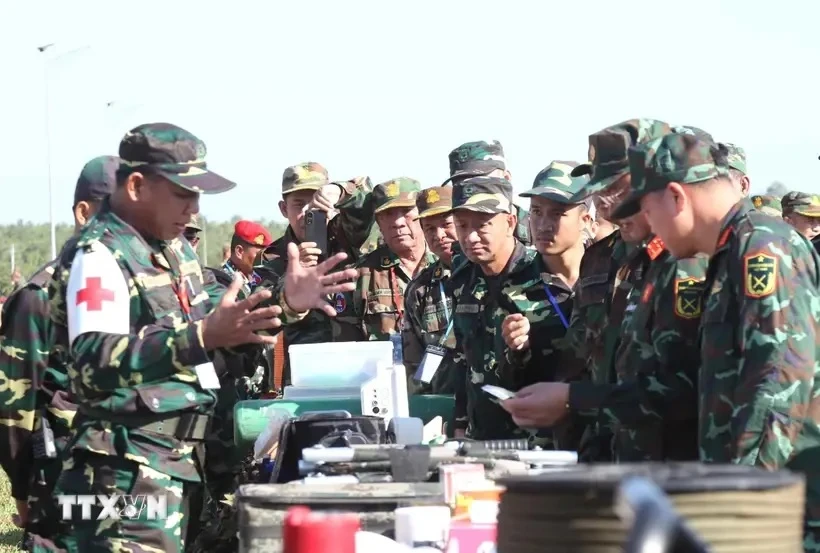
(337, 364)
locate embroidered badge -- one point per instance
(759, 275)
(340, 302)
(688, 297)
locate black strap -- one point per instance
(185, 426)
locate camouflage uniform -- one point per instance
(348, 232)
(758, 382)
(769, 205)
(36, 393)
(608, 274)
(428, 302)
(482, 304)
(736, 157)
(375, 310)
(141, 409)
(481, 159)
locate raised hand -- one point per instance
(308, 287)
(233, 322)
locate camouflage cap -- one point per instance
(173, 153)
(435, 201)
(697, 132)
(483, 195)
(768, 204)
(194, 223)
(737, 157)
(97, 179)
(608, 152)
(555, 182)
(675, 157)
(398, 192)
(476, 159)
(304, 176)
(801, 203)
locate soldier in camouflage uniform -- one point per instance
(37, 408)
(486, 159)
(130, 308)
(248, 241)
(758, 384)
(802, 211)
(375, 309)
(428, 299)
(769, 205)
(500, 277)
(192, 230)
(306, 186)
(737, 168)
(606, 277)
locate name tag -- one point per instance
(206, 375)
(433, 356)
(467, 308)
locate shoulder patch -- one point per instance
(759, 275)
(97, 298)
(689, 297)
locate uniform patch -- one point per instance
(386, 261)
(340, 302)
(759, 275)
(97, 298)
(647, 292)
(437, 273)
(688, 297)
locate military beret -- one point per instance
(252, 233)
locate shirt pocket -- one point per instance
(380, 313)
(592, 290)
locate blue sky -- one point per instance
(389, 88)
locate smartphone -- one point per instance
(498, 392)
(316, 229)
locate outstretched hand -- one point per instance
(308, 287)
(233, 322)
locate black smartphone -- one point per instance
(316, 229)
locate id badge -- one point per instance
(433, 356)
(206, 375)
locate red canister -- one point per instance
(307, 531)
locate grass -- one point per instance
(9, 533)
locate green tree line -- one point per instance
(31, 245)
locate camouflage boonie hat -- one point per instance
(737, 157)
(435, 201)
(555, 182)
(173, 153)
(476, 159)
(801, 203)
(398, 192)
(97, 180)
(194, 223)
(674, 158)
(483, 195)
(304, 176)
(768, 204)
(700, 134)
(608, 152)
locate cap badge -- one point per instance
(591, 154)
(392, 189)
(200, 152)
(260, 239)
(432, 196)
(758, 201)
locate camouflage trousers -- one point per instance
(91, 473)
(596, 445)
(44, 513)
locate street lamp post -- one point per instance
(42, 50)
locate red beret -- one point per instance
(252, 233)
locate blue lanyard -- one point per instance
(556, 307)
